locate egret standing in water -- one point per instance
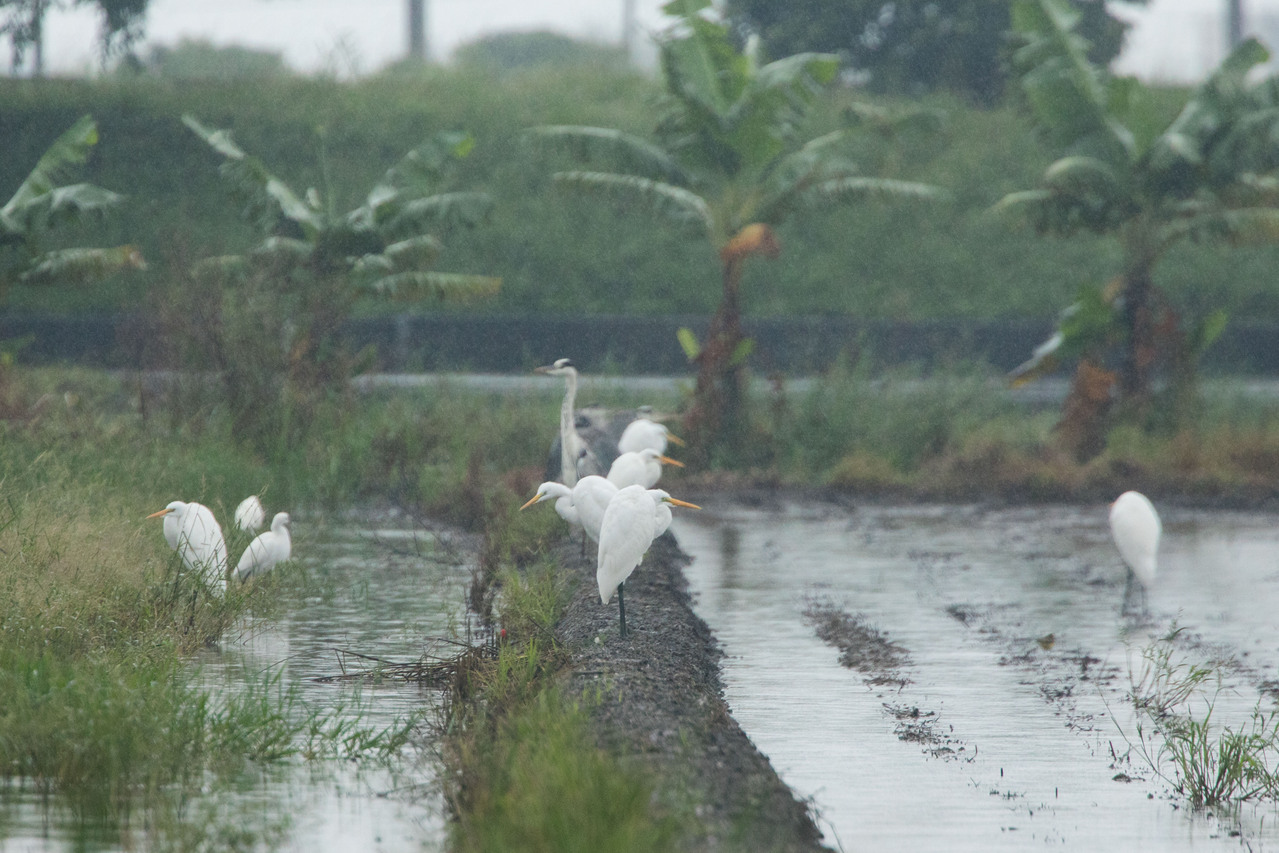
(634, 518)
(574, 452)
(1135, 526)
(249, 515)
(639, 468)
(192, 531)
(273, 546)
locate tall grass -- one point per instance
(529, 774)
(98, 703)
(1208, 763)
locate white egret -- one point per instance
(639, 468)
(634, 518)
(192, 531)
(249, 515)
(591, 497)
(271, 547)
(575, 455)
(1135, 526)
(563, 501)
(582, 506)
(643, 433)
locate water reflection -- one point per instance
(968, 591)
(375, 590)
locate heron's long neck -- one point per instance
(570, 444)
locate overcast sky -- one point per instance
(1174, 40)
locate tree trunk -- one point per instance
(1139, 345)
(715, 417)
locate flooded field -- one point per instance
(370, 590)
(1002, 725)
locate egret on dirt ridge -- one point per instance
(642, 468)
(1135, 526)
(249, 515)
(192, 531)
(571, 444)
(271, 547)
(583, 505)
(644, 433)
(634, 518)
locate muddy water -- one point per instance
(374, 590)
(985, 740)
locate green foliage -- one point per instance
(542, 49)
(913, 46)
(547, 787)
(1208, 175)
(309, 271)
(195, 59)
(42, 202)
(23, 22)
(557, 254)
(1208, 763)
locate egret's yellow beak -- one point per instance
(544, 369)
(532, 501)
(164, 511)
(666, 460)
(670, 436)
(679, 502)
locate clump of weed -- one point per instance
(1208, 763)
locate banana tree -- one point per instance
(315, 263)
(729, 162)
(1211, 175)
(385, 247)
(42, 203)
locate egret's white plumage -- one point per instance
(634, 518)
(273, 546)
(249, 515)
(192, 531)
(642, 433)
(1136, 528)
(591, 497)
(639, 468)
(575, 455)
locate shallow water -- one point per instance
(1029, 741)
(379, 591)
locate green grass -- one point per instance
(1208, 763)
(528, 773)
(100, 711)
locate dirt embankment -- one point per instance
(661, 702)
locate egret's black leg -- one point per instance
(1126, 607)
(621, 608)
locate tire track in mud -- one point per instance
(883, 663)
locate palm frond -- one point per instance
(1253, 226)
(58, 205)
(287, 249)
(620, 151)
(81, 266)
(267, 197)
(414, 253)
(1075, 104)
(418, 285)
(683, 205)
(444, 211)
(68, 151)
